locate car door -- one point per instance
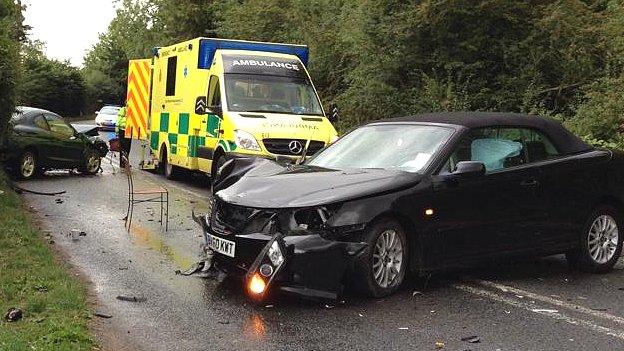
(33, 132)
(566, 188)
(491, 214)
(69, 147)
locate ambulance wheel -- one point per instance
(170, 171)
(217, 163)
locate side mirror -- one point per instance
(469, 169)
(333, 113)
(215, 110)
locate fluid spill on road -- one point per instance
(148, 239)
(255, 327)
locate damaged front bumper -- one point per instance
(306, 262)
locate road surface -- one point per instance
(523, 305)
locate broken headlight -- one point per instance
(311, 218)
(275, 254)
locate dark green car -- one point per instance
(40, 140)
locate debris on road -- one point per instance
(403, 328)
(268, 306)
(473, 339)
(59, 201)
(131, 298)
(13, 315)
(21, 190)
(329, 307)
(439, 344)
(82, 233)
(544, 310)
(103, 315)
(416, 293)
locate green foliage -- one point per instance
(382, 58)
(12, 33)
(53, 300)
(50, 84)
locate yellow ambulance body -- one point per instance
(209, 100)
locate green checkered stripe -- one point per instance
(182, 136)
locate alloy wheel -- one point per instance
(387, 258)
(27, 166)
(93, 163)
(602, 239)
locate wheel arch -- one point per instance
(609, 200)
(412, 235)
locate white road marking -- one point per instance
(548, 313)
(552, 301)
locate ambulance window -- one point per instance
(172, 68)
(214, 92)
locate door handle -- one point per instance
(529, 183)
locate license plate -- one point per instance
(222, 246)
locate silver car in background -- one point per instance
(106, 117)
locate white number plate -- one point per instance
(223, 246)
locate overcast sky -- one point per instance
(68, 27)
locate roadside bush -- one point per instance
(11, 34)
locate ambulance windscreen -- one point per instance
(271, 94)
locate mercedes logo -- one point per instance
(295, 147)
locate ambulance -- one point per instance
(196, 104)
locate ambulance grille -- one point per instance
(283, 146)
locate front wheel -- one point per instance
(92, 164)
(600, 242)
(27, 165)
(380, 270)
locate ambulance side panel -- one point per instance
(175, 126)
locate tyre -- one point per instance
(169, 170)
(381, 269)
(216, 165)
(600, 241)
(92, 164)
(27, 165)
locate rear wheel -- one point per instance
(170, 171)
(380, 269)
(600, 242)
(27, 165)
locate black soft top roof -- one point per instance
(564, 140)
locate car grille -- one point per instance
(227, 219)
(283, 146)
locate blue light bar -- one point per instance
(208, 47)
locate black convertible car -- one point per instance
(419, 194)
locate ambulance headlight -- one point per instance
(246, 141)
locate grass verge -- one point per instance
(53, 301)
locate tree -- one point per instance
(50, 84)
(12, 33)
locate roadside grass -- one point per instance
(53, 301)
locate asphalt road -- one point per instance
(523, 305)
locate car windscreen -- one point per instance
(109, 110)
(272, 94)
(406, 147)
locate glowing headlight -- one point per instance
(275, 254)
(246, 141)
